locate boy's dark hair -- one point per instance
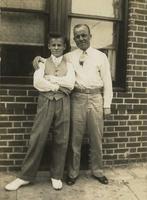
(56, 36)
(59, 35)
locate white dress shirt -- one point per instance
(94, 73)
(52, 83)
(56, 60)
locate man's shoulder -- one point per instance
(96, 51)
(72, 52)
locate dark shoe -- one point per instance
(70, 181)
(102, 179)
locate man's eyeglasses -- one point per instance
(81, 35)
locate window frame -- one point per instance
(27, 80)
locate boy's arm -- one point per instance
(40, 83)
(66, 81)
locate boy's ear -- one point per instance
(65, 46)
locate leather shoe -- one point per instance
(102, 179)
(70, 181)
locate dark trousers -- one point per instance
(86, 116)
(49, 112)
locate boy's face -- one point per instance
(56, 46)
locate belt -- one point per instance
(88, 91)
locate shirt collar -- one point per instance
(56, 59)
(87, 51)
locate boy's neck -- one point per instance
(56, 57)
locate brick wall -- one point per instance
(125, 137)
(17, 107)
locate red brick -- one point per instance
(122, 128)
(6, 162)
(17, 118)
(24, 99)
(121, 139)
(17, 156)
(5, 124)
(16, 130)
(6, 137)
(7, 99)
(133, 144)
(17, 143)
(134, 155)
(17, 92)
(3, 92)
(6, 149)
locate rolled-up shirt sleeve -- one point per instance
(107, 82)
(40, 83)
(66, 81)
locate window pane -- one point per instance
(17, 60)
(107, 8)
(104, 38)
(26, 4)
(102, 32)
(22, 28)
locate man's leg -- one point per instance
(95, 130)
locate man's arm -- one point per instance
(37, 60)
(67, 81)
(107, 83)
(40, 83)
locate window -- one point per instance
(106, 20)
(25, 25)
(22, 37)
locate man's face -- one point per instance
(56, 46)
(82, 37)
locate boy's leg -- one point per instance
(39, 134)
(78, 126)
(45, 111)
(60, 137)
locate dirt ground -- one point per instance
(125, 183)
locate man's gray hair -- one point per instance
(80, 25)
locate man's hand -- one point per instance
(36, 61)
(107, 112)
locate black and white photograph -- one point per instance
(73, 99)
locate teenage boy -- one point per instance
(54, 80)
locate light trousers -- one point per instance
(55, 113)
(86, 116)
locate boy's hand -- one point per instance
(47, 77)
(50, 78)
(36, 61)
